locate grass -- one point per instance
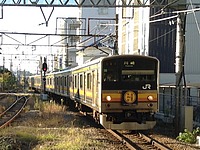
(48, 129)
(46, 139)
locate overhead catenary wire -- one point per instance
(195, 18)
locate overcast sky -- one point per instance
(27, 19)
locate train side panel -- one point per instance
(84, 87)
(50, 83)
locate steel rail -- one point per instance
(17, 112)
(133, 146)
(154, 142)
(124, 140)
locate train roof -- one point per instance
(130, 55)
(88, 63)
(95, 60)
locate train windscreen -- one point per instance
(129, 72)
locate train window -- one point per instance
(76, 81)
(62, 81)
(70, 81)
(81, 81)
(65, 81)
(110, 75)
(58, 81)
(88, 80)
(110, 71)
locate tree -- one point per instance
(7, 79)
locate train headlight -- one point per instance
(108, 98)
(150, 97)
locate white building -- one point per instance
(91, 25)
(99, 22)
(133, 30)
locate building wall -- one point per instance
(133, 30)
(162, 41)
(99, 22)
(163, 46)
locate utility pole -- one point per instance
(179, 62)
(180, 48)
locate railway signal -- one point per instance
(44, 66)
(44, 79)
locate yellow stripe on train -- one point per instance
(116, 97)
(141, 97)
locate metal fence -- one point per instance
(188, 97)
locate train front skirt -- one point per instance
(126, 125)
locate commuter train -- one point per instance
(121, 91)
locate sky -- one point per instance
(29, 20)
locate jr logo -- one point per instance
(146, 86)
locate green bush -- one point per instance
(189, 137)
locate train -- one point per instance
(120, 91)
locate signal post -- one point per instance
(44, 69)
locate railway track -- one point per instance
(138, 141)
(2, 96)
(12, 111)
(134, 141)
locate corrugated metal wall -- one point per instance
(162, 42)
(192, 59)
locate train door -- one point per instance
(58, 84)
(71, 85)
(94, 86)
(67, 84)
(84, 92)
(74, 84)
(63, 84)
(85, 81)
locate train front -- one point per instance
(129, 92)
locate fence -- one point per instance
(188, 97)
